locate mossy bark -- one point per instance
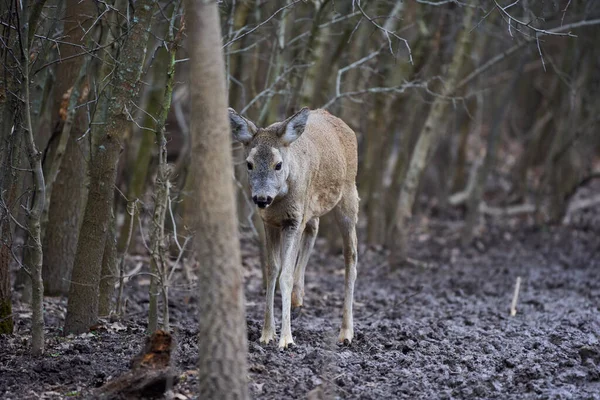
(82, 309)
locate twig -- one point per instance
(261, 24)
(386, 32)
(395, 89)
(490, 63)
(528, 24)
(513, 305)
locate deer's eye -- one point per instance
(278, 166)
(249, 165)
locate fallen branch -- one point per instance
(581, 205)
(510, 211)
(151, 374)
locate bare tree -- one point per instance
(66, 166)
(222, 335)
(82, 309)
(427, 137)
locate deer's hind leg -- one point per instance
(346, 215)
(308, 241)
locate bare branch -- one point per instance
(261, 24)
(495, 60)
(385, 31)
(528, 24)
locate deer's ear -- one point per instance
(242, 129)
(294, 126)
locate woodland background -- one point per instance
(472, 111)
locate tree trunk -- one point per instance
(422, 149)
(222, 346)
(34, 239)
(65, 197)
(11, 154)
(109, 273)
(162, 187)
(82, 309)
(490, 156)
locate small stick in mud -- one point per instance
(513, 306)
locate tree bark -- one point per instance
(10, 160)
(490, 157)
(66, 194)
(222, 346)
(34, 240)
(422, 149)
(82, 309)
(109, 273)
(162, 188)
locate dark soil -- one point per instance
(439, 328)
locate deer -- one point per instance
(300, 169)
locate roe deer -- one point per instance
(300, 169)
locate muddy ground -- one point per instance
(437, 329)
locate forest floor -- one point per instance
(440, 329)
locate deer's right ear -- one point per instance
(242, 130)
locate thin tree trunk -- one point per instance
(141, 163)
(82, 309)
(34, 240)
(309, 55)
(379, 138)
(162, 185)
(490, 157)
(422, 149)
(222, 346)
(459, 180)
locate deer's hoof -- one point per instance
(267, 336)
(346, 336)
(286, 342)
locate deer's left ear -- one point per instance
(294, 126)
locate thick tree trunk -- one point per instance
(11, 154)
(222, 344)
(65, 196)
(422, 149)
(82, 309)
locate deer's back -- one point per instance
(328, 152)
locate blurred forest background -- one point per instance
(463, 109)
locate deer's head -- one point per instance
(267, 156)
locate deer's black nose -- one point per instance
(262, 201)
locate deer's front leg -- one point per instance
(273, 242)
(290, 238)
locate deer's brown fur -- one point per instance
(301, 169)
